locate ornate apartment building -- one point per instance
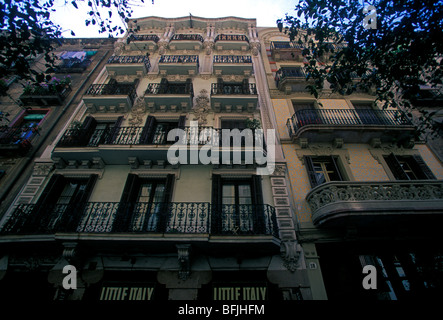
(364, 191)
(106, 198)
(345, 184)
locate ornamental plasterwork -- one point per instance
(322, 150)
(137, 112)
(380, 191)
(255, 48)
(201, 107)
(42, 169)
(118, 48)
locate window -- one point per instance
(237, 206)
(408, 167)
(144, 204)
(63, 200)
(366, 113)
(156, 132)
(322, 169)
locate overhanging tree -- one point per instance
(394, 48)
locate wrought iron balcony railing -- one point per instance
(170, 88)
(236, 89)
(179, 59)
(232, 59)
(141, 217)
(285, 45)
(187, 37)
(347, 117)
(289, 72)
(144, 37)
(231, 37)
(130, 60)
(139, 136)
(113, 89)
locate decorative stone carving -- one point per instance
(118, 48)
(42, 169)
(209, 46)
(70, 252)
(202, 107)
(364, 191)
(162, 46)
(255, 48)
(291, 253)
(280, 170)
(137, 112)
(184, 251)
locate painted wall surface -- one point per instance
(110, 187)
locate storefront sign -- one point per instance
(126, 292)
(240, 292)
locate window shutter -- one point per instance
(165, 207)
(216, 204)
(148, 130)
(257, 198)
(167, 197)
(130, 191)
(335, 164)
(257, 192)
(83, 197)
(423, 171)
(44, 207)
(395, 167)
(113, 132)
(219, 85)
(182, 122)
(245, 86)
(77, 205)
(87, 129)
(126, 207)
(310, 169)
(52, 191)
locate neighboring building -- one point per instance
(365, 192)
(104, 198)
(32, 115)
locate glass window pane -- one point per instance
(159, 192)
(145, 191)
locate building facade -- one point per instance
(364, 191)
(106, 198)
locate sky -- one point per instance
(265, 11)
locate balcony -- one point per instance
(186, 42)
(142, 42)
(232, 65)
(169, 96)
(77, 146)
(16, 141)
(45, 97)
(128, 65)
(111, 97)
(291, 79)
(234, 97)
(231, 42)
(351, 125)
(286, 50)
(376, 203)
(156, 222)
(178, 64)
